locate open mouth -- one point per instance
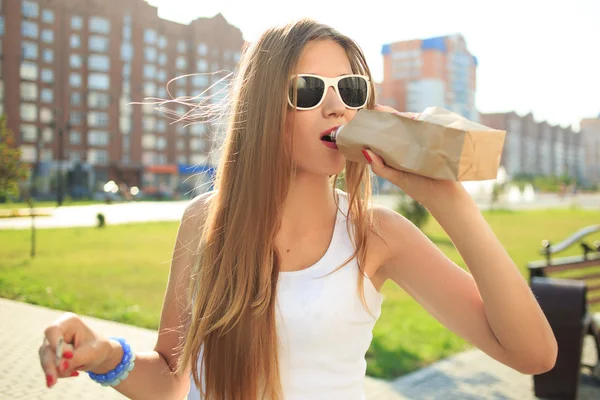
(326, 135)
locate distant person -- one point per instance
(275, 281)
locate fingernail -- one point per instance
(65, 366)
(74, 373)
(49, 380)
(68, 355)
(367, 156)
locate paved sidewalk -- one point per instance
(466, 376)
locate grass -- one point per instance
(76, 268)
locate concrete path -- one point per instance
(469, 375)
(147, 211)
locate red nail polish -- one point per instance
(367, 156)
(68, 355)
(65, 366)
(74, 373)
(49, 380)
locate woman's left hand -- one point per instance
(423, 189)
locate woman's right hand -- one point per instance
(82, 349)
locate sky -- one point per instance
(534, 56)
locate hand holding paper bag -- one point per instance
(436, 143)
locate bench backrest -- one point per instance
(585, 267)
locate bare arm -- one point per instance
(492, 308)
(152, 376)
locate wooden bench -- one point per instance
(566, 288)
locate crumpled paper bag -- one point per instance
(436, 143)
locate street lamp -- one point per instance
(60, 158)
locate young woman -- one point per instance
(274, 284)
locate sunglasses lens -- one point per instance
(310, 91)
(353, 90)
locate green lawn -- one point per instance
(120, 273)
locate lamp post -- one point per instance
(60, 159)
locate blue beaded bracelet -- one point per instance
(121, 371)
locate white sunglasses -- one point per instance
(311, 89)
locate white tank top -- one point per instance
(322, 326)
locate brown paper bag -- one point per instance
(436, 143)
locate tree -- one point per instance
(11, 168)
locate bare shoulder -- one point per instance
(195, 214)
(390, 223)
(198, 206)
(389, 239)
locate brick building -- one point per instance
(538, 148)
(423, 73)
(69, 70)
(590, 137)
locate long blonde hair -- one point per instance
(230, 340)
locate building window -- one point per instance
(28, 112)
(75, 118)
(74, 137)
(161, 75)
(75, 41)
(148, 141)
(1, 25)
(202, 49)
(127, 33)
(150, 36)
(28, 132)
(126, 71)
(181, 46)
(161, 143)
(161, 126)
(149, 89)
(149, 124)
(125, 124)
(29, 50)
(74, 156)
(29, 91)
(96, 156)
(48, 16)
(48, 56)
(98, 62)
(98, 100)
(75, 98)
(76, 22)
(162, 59)
(28, 71)
(98, 44)
(202, 66)
(149, 71)
(150, 54)
(46, 117)
(162, 42)
(47, 36)
(75, 61)
(47, 95)
(181, 62)
(197, 129)
(99, 25)
(98, 81)
(75, 79)
(30, 9)
(47, 75)
(97, 119)
(200, 81)
(126, 51)
(28, 153)
(98, 138)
